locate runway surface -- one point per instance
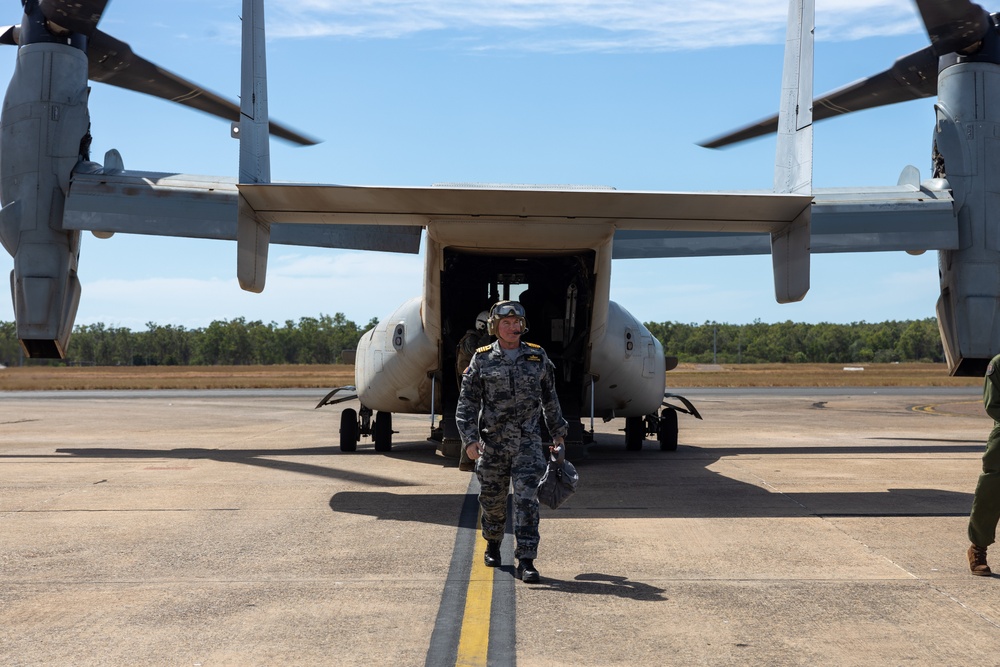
(791, 527)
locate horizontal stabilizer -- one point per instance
(707, 211)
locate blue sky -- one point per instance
(547, 92)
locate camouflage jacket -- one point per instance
(502, 400)
(991, 390)
(467, 347)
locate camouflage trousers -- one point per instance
(986, 501)
(500, 465)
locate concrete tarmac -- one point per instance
(791, 527)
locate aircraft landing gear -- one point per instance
(354, 424)
(666, 430)
(635, 433)
(382, 434)
(664, 427)
(349, 431)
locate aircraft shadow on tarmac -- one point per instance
(251, 457)
(680, 484)
(614, 483)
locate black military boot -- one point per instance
(526, 571)
(492, 556)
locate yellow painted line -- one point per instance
(933, 409)
(474, 642)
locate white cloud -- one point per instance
(583, 26)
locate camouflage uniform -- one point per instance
(467, 346)
(986, 502)
(471, 341)
(500, 405)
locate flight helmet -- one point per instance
(481, 320)
(502, 309)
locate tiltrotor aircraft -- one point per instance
(551, 247)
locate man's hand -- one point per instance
(474, 450)
(558, 448)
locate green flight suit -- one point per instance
(986, 502)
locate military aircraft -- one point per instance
(551, 247)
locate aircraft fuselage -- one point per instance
(607, 363)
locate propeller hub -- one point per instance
(37, 29)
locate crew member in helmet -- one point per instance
(470, 342)
(467, 346)
(506, 389)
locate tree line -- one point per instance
(235, 342)
(797, 342)
(323, 340)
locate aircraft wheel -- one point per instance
(635, 432)
(349, 430)
(666, 430)
(383, 432)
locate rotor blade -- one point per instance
(11, 36)
(953, 25)
(80, 16)
(113, 62)
(912, 77)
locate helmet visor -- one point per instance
(508, 309)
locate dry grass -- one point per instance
(250, 377)
(174, 377)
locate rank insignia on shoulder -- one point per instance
(534, 345)
(534, 357)
(990, 368)
(484, 348)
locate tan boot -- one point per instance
(977, 561)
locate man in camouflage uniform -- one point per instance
(986, 502)
(506, 388)
(470, 342)
(467, 346)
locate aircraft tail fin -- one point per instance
(253, 235)
(793, 159)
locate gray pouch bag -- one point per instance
(558, 483)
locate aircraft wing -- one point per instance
(162, 204)
(648, 224)
(902, 217)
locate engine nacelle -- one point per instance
(43, 129)
(970, 276)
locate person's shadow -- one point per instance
(603, 584)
